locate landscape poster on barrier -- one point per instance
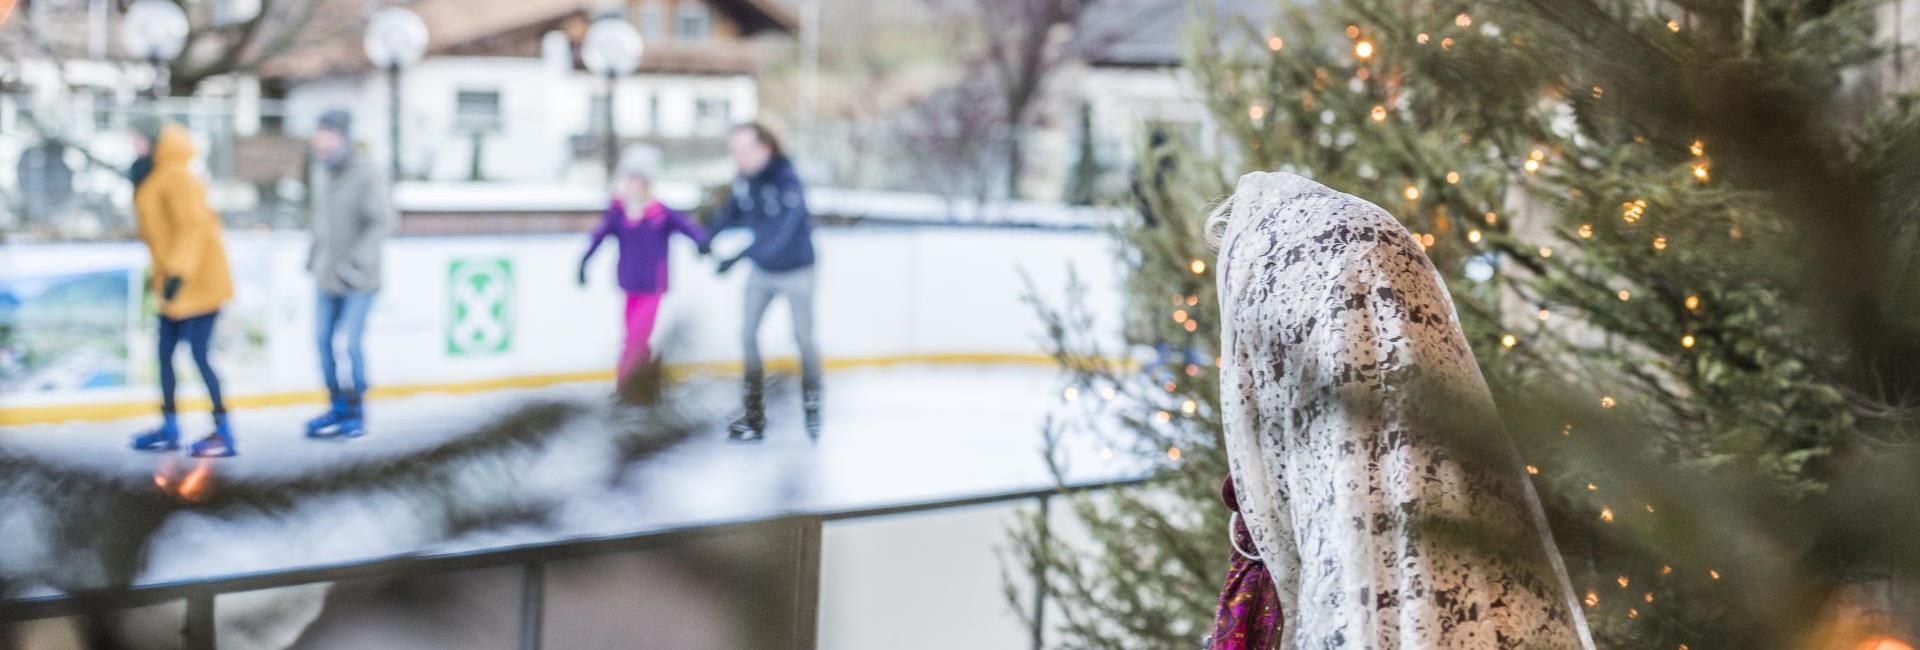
(70, 331)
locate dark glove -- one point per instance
(583, 273)
(727, 264)
(170, 288)
(706, 248)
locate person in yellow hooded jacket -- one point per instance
(190, 276)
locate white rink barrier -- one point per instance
(499, 310)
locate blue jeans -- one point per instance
(347, 313)
(198, 333)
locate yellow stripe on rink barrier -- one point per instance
(96, 411)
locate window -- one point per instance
(653, 23)
(103, 108)
(597, 116)
(710, 115)
(692, 20)
(477, 111)
(653, 114)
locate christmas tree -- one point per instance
(1681, 245)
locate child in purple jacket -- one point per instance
(642, 226)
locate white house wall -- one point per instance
(540, 113)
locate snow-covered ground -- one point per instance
(893, 436)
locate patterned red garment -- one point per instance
(1249, 617)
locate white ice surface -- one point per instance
(893, 436)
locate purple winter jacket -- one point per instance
(643, 243)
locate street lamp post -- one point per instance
(395, 38)
(611, 49)
(154, 31)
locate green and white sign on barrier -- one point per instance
(479, 306)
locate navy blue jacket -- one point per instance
(774, 205)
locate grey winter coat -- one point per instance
(351, 219)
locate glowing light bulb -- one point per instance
(1698, 148)
(1492, 218)
(1607, 402)
(1700, 172)
(1673, 26)
(1660, 242)
(1274, 43)
(1446, 43)
(1693, 303)
(1363, 50)
(1412, 193)
(1463, 20)
(1199, 266)
(1070, 394)
(1606, 514)
(1623, 581)
(1687, 341)
(1180, 316)
(1535, 471)
(1453, 177)
(1624, 295)
(1586, 231)
(1256, 112)
(1546, 252)
(1531, 166)
(1420, 38)
(1593, 598)
(1509, 340)
(1173, 454)
(1631, 211)
(1883, 643)
(1379, 113)
(1474, 235)
(1544, 314)
(1189, 407)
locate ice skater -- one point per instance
(351, 219)
(768, 199)
(641, 225)
(190, 275)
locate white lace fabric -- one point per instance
(1343, 360)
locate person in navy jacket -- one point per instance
(768, 200)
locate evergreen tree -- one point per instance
(1690, 284)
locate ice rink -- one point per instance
(893, 436)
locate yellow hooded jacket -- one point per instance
(181, 231)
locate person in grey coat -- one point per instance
(351, 218)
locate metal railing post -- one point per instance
(533, 606)
(1045, 537)
(807, 549)
(198, 632)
